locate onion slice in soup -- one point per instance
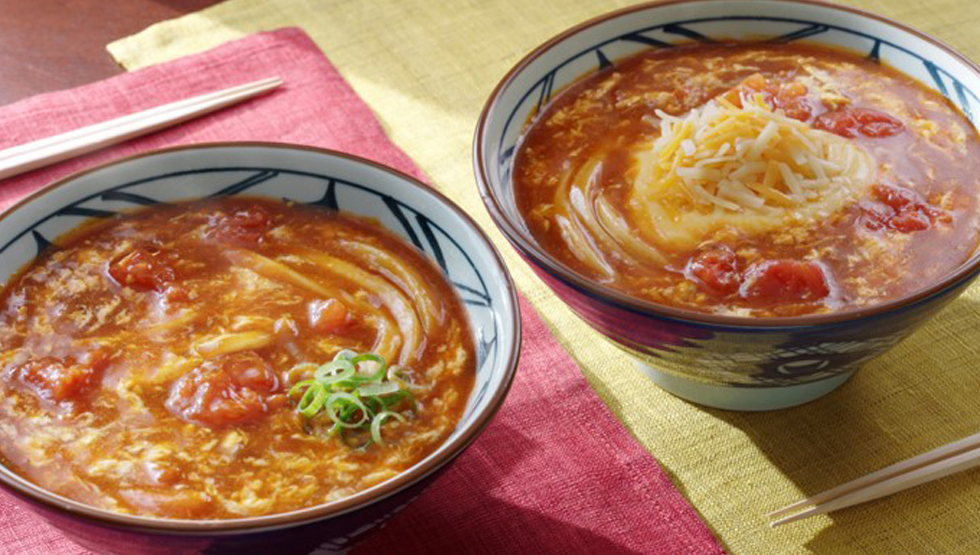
(388, 341)
(430, 312)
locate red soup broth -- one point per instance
(909, 221)
(147, 359)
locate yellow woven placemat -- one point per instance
(426, 68)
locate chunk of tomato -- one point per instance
(225, 390)
(851, 122)
(142, 269)
(798, 108)
(61, 379)
(790, 97)
(329, 316)
(246, 226)
(909, 222)
(785, 281)
(715, 270)
(901, 209)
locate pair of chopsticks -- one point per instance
(938, 463)
(39, 153)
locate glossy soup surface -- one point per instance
(146, 359)
(915, 220)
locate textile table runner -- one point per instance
(554, 470)
(427, 66)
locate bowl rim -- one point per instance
(35, 493)
(546, 262)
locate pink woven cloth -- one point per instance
(555, 472)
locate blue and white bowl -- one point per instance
(729, 362)
(303, 175)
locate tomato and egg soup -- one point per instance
(227, 358)
(752, 179)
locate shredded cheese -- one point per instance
(749, 168)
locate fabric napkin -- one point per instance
(555, 472)
(426, 67)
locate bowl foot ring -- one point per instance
(743, 398)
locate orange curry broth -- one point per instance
(919, 223)
(108, 399)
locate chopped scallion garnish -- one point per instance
(376, 423)
(356, 392)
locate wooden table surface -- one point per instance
(47, 45)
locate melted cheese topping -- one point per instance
(749, 168)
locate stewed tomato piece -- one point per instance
(715, 270)
(246, 226)
(851, 122)
(228, 389)
(329, 316)
(56, 379)
(901, 209)
(790, 97)
(142, 269)
(785, 281)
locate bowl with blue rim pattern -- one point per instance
(723, 361)
(317, 177)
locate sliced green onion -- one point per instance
(333, 372)
(300, 385)
(378, 421)
(394, 398)
(350, 408)
(334, 367)
(353, 399)
(312, 400)
(345, 354)
(377, 375)
(336, 417)
(376, 401)
(374, 389)
(394, 373)
(369, 357)
(398, 375)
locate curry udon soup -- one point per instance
(752, 179)
(227, 358)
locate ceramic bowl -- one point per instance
(334, 181)
(728, 362)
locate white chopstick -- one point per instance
(45, 151)
(943, 461)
